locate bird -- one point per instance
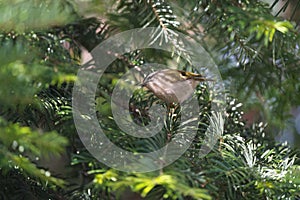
(171, 85)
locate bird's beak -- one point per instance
(198, 77)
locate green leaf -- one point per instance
(24, 15)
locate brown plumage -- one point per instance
(173, 86)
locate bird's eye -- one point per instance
(183, 73)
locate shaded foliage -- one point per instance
(41, 51)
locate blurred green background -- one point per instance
(255, 45)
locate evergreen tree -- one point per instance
(42, 44)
